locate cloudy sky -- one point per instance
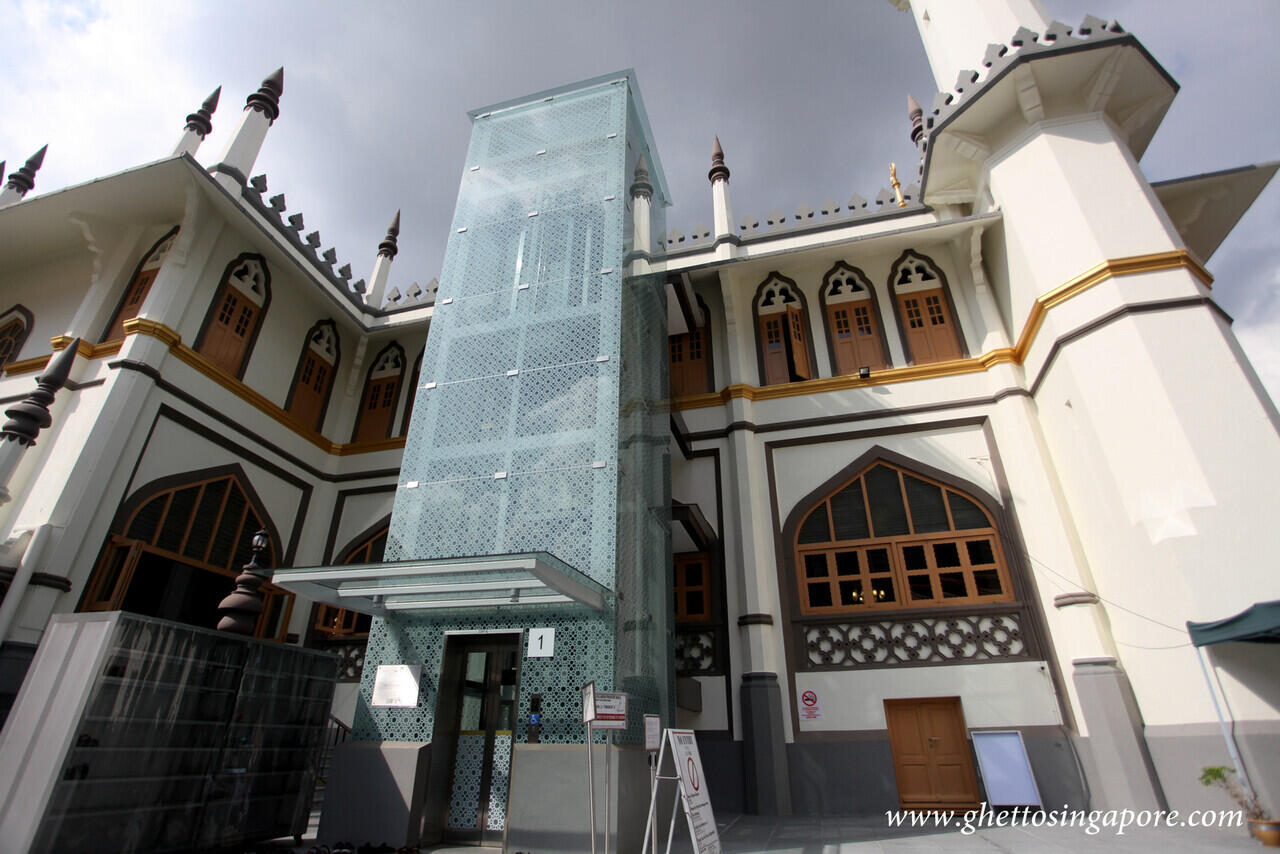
(807, 97)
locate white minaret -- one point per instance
(199, 125)
(261, 109)
(719, 177)
(956, 32)
(641, 199)
(387, 250)
(21, 182)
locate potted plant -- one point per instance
(1264, 828)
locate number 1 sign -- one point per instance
(542, 643)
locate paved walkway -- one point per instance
(750, 834)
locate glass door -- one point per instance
(483, 722)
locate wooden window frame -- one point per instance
(700, 383)
(97, 596)
(681, 587)
(18, 315)
(894, 548)
(910, 257)
(298, 379)
(795, 333)
(838, 277)
(224, 283)
(330, 623)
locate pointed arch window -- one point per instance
(891, 538)
(15, 326)
(925, 313)
(782, 332)
(853, 321)
(140, 285)
(175, 551)
(313, 379)
(381, 394)
(235, 315)
(333, 623)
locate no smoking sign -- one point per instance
(809, 706)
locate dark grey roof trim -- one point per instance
(1218, 174)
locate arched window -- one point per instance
(331, 622)
(176, 548)
(381, 393)
(412, 393)
(782, 332)
(925, 314)
(853, 321)
(313, 380)
(140, 285)
(891, 538)
(15, 326)
(235, 316)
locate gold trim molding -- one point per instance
(1015, 355)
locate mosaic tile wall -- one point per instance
(539, 424)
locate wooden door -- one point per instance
(132, 303)
(799, 342)
(227, 339)
(307, 404)
(377, 409)
(774, 349)
(688, 363)
(931, 755)
(931, 333)
(855, 337)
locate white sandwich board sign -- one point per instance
(693, 792)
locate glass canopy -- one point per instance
(409, 586)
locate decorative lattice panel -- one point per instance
(695, 651)
(468, 767)
(538, 423)
(918, 640)
(497, 816)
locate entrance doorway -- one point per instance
(931, 755)
(475, 724)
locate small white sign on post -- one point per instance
(396, 686)
(589, 702)
(652, 732)
(542, 643)
(611, 710)
(810, 708)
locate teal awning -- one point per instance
(1259, 623)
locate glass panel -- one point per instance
(693, 574)
(928, 513)
(820, 595)
(206, 518)
(473, 684)
(980, 552)
(175, 521)
(848, 515)
(851, 592)
(946, 554)
(877, 560)
(952, 584)
(815, 566)
(144, 523)
(165, 588)
(920, 586)
(986, 582)
(695, 603)
(846, 563)
(815, 528)
(882, 589)
(965, 513)
(888, 516)
(913, 557)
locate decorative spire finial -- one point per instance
(30, 415)
(267, 98)
(240, 609)
(916, 114)
(200, 121)
(640, 185)
(25, 178)
(897, 188)
(719, 172)
(388, 245)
